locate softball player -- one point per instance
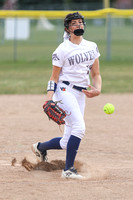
(73, 61)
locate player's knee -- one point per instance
(63, 143)
(79, 130)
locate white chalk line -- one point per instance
(7, 164)
(4, 163)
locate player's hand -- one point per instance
(92, 92)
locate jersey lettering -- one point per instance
(55, 57)
(77, 58)
(89, 68)
(91, 53)
(86, 56)
(82, 57)
(71, 60)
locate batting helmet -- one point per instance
(72, 16)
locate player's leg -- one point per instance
(75, 120)
(51, 144)
(77, 133)
(80, 98)
(74, 140)
(73, 146)
(40, 149)
(66, 136)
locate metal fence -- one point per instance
(33, 36)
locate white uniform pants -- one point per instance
(73, 102)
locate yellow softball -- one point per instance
(109, 108)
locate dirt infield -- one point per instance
(105, 156)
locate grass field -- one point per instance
(25, 66)
(31, 77)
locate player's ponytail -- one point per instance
(66, 35)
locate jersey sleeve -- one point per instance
(57, 57)
(96, 51)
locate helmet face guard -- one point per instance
(78, 32)
(70, 17)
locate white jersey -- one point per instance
(76, 61)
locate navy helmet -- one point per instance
(72, 16)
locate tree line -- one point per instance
(52, 4)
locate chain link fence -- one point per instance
(34, 39)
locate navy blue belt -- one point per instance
(74, 86)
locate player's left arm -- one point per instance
(54, 77)
(95, 90)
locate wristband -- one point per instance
(51, 86)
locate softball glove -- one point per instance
(54, 112)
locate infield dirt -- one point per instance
(105, 156)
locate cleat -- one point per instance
(39, 155)
(71, 173)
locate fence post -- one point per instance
(2, 31)
(59, 30)
(108, 37)
(15, 40)
(106, 3)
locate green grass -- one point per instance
(32, 77)
(117, 77)
(24, 77)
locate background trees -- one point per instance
(53, 4)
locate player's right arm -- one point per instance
(94, 90)
(54, 77)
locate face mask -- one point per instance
(79, 32)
